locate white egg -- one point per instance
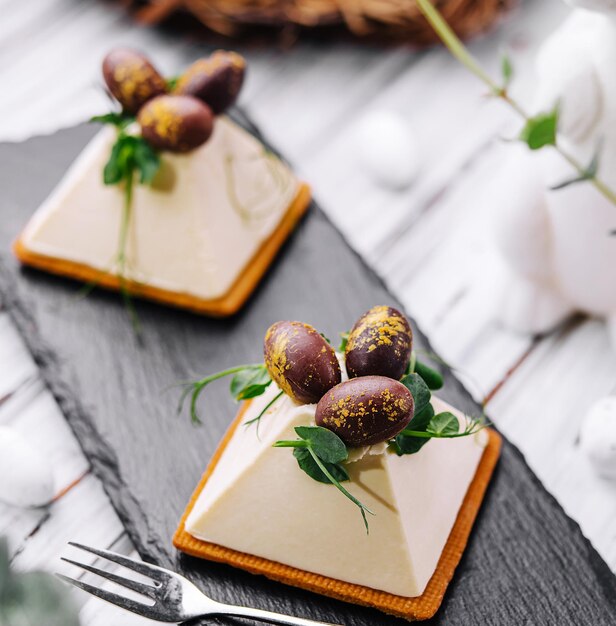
(386, 148)
(598, 436)
(26, 478)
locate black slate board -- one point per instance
(527, 562)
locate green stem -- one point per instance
(604, 189)
(121, 256)
(227, 372)
(453, 42)
(460, 52)
(263, 412)
(364, 509)
(429, 435)
(198, 387)
(292, 443)
(126, 214)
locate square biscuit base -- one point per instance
(222, 306)
(417, 608)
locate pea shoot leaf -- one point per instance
(344, 339)
(117, 119)
(147, 160)
(407, 444)
(172, 82)
(431, 377)
(541, 130)
(421, 421)
(326, 451)
(308, 464)
(114, 171)
(419, 390)
(444, 424)
(328, 446)
(250, 383)
(131, 154)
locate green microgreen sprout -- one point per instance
(589, 172)
(131, 156)
(539, 130)
(344, 339)
(119, 120)
(172, 82)
(412, 363)
(426, 424)
(249, 381)
(263, 411)
(431, 377)
(320, 453)
(446, 425)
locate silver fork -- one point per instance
(172, 598)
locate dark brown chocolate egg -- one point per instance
(379, 344)
(131, 78)
(175, 123)
(300, 361)
(366, 410)
(216, 80)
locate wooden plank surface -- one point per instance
(111, 391)
(37, 538)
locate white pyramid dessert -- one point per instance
(211, 216)
(257, 501)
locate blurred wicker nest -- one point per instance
(398, 20)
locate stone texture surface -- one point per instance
(527, 561)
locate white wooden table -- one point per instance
(430, 242)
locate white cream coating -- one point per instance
(188, 233)
(259, 502)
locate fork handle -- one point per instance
(272, 618)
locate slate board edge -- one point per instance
(103, 458)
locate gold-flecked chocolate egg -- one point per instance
(379, 344)
(300, 361)
(366, 410)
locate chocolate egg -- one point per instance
(379, 344)
(131, 78)
(300, 361)
(216, 80)
(366, 410)
(175, 123)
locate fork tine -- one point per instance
(142, 588)
(113, 598)
(154, 572)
